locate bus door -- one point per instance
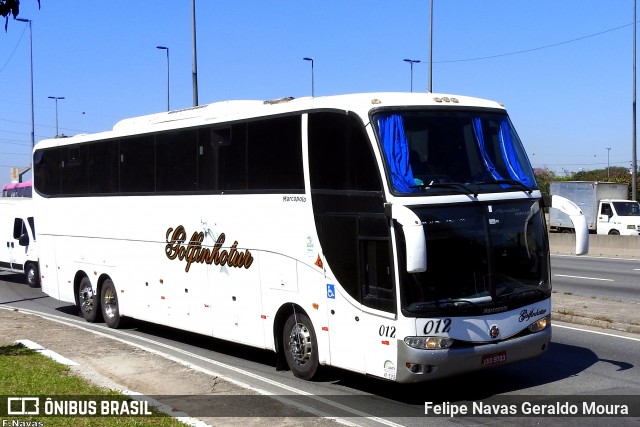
(359, 254)
(340, 245)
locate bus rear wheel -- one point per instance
(88, 301)
(300, 346)
(109, 304)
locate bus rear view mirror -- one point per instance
(415, 242)
(577, 218)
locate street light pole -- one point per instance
(312, 83)
(194, 53)
(55, 98)
(608, 151)
(167, 49)
(634, 160)
(33, 135)
(430, 87)
(411, 62)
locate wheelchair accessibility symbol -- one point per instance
(331, 291)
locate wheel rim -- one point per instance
(31, 276)
(110, 303)
(86, 299)
(300, 343)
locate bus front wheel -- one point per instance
(109, 303)
(88, 301)
(300, 346)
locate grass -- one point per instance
(24, 372)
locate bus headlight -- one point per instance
(429, 343)
(540, 324)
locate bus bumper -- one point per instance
(415, 365)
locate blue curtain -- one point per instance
(510, 155)
(394, 144)
(477, 128)
(507, 149)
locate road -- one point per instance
(610, 278)
(580, 362)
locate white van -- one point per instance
(18, 238)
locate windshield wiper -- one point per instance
(509, 182)
(451, 302)
(524, 294)
(460, 185)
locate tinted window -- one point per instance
(103, 167)
(176, 159)
(275, 154)
(73, 170)
(137, 164)
(340, 156)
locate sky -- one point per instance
(562, 68)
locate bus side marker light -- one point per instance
(263, 316)
(326, 329)
(315, 305)
(385, 342)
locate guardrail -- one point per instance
(599, 245)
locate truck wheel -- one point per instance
(614, 233)
(300, 346)
(109, 304)
(31, 273)
(88, 301)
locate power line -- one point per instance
(535, 48)
(14, 50)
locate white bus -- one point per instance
(399, 235)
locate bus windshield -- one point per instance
(480, 255)
(433, 152)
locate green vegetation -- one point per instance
(24, 372)
(618, 174)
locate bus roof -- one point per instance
(226, 111)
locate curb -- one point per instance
(166, 409)
(596, 323)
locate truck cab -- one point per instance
(619, 217)
(18, 252)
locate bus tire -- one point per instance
(300, 346)
(109, 304)
(88, 301)
(31, 274)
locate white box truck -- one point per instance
(606, 207)
(18, 252)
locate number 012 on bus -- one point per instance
(398, 235)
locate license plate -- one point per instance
(494, 358)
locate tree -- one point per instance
(10, 7)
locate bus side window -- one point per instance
(376, 278)
(46, 171)
(176, 157)
(103, 167)
(274, 154)
(74, 170)
(137, 164)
